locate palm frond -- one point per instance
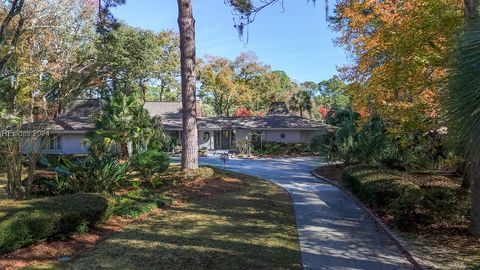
(462, 99)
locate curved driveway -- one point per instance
(334, 232)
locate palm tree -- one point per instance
(121, 123)
(301, 102)
(463, 103)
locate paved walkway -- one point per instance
(334, 232)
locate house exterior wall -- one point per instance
(243, 134)
(288, 136)
(72, 144)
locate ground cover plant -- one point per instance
(411, 201)
(281, 149)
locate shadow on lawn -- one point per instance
(251, 228)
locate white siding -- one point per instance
(288, 136)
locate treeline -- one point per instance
(61, 56)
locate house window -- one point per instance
(53, 144)
(257, 139)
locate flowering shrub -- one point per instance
(243, 112)
(324, 111)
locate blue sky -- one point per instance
(296, 40)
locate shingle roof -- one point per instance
(164, 109)
(170, 112)
(266, 122)
(83, 108)
(65, 123)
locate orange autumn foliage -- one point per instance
(400, 52)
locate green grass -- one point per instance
(252, 227)
(138, 202)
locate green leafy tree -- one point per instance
(127, 58)
(167, 68)
(332, 93)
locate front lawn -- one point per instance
(224, 221)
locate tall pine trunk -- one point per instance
(472, 13)
(186, 25)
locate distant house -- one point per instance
(214, 132)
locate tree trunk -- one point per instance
(472, 13)
(186, 25)
(475, 196)
(467, 176)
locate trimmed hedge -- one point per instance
(410, 199)
(278, 148)
(26, 222)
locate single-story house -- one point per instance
(278, 125)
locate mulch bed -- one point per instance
(332, 172)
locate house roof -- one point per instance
(164, 109)
(78, 118)
(83, 108)
(258, 122)
(67, 123)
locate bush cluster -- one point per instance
(150, 164)
(137, 202)
(278, 148)
(369, 141)
(27, 222)
(411, 200)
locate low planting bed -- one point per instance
(282, 149)
(27, 222)
(410, 201)
(429, 213)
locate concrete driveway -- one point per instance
(334, 232)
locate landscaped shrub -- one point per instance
(92, 174)
(104, 174)
(138, 202)
(410, 199)
(27, 222)
(277, 148)
(151, 163)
